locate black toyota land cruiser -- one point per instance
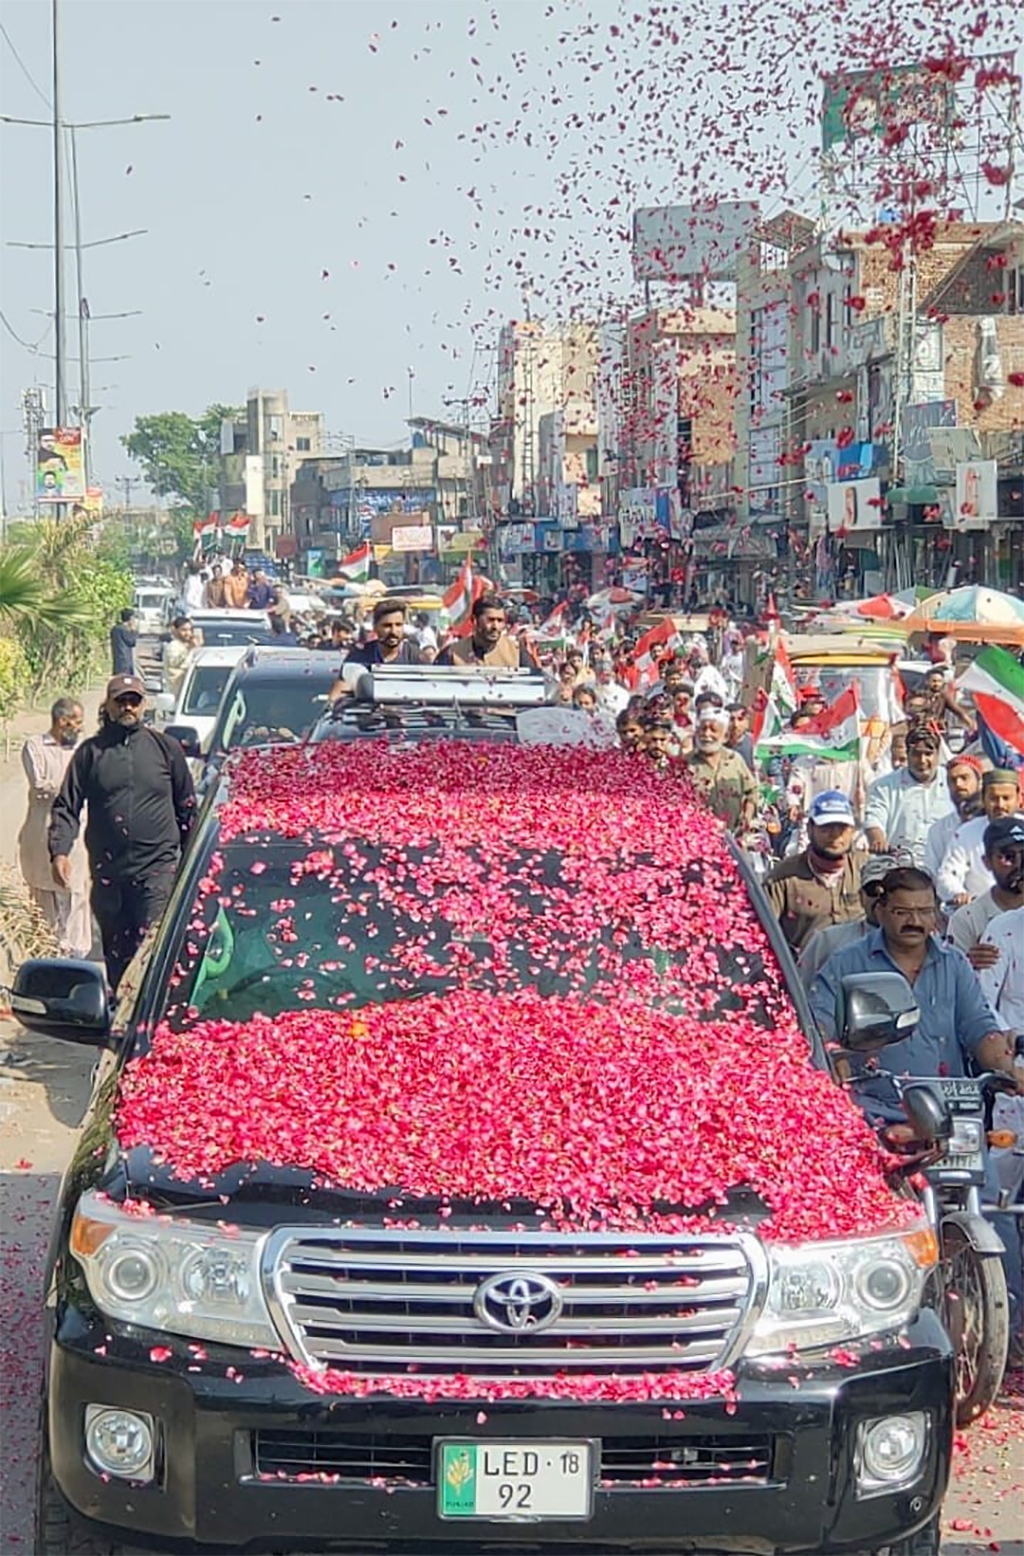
(464, 1169)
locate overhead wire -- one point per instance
(24, 68)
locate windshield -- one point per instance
(205, 689)
(875, 686)
(362, 923)
(275, 711)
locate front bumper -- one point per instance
(209, 1494)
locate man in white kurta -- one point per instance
(45, 759)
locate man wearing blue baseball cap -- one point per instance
(820, 886)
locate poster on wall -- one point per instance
(976, 496)
(60, 466)
(854, 506)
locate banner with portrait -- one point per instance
(60, 465)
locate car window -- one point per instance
(205, 689)
(229, 634)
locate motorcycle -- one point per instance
(970, 1284)
(940, 1153)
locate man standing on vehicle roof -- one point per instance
(142, 805)
(489, 646)
(821, 885)
(236, 587)
(388, 646)
(903, 805)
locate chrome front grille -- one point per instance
(370, 1300)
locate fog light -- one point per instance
(119, 1442)
(890, 1451)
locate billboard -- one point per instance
(854, 506)
(412, 537)
(883, 102)
(674, 242)
(60, 466)
(976, 499)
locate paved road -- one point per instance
(42, 1097)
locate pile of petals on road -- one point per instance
(621, 1048)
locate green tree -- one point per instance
(179, 454)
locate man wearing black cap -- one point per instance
(903, 805)
(1003, 844)
(141, 802)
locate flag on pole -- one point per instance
(459, 598)
(356, 566)
(833, 737)
(203, 529)
(781, 690)
(555, 625)
(237, 527)
(643, 672)
(996, 683)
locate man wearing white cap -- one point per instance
(720, 776)
(821, 885)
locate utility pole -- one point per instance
(126, 483)
(60, 400)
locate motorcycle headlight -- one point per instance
(826, 1293)
(178, 1276)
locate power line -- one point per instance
(28, 346)
(24, 68)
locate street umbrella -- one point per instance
(615, 596)
(973, 604)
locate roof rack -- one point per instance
(452, 686)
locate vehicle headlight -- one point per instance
(182, 1277)
(825, 1293)
(967, 1139)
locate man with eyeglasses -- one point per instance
(957, 1025)
(141, 807)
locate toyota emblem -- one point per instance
(517, 1302)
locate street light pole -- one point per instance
(60, 400)
(82, 310)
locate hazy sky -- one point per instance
(348, 190)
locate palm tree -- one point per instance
(27, 600)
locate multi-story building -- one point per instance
(857, 366)
(541, 371)
(261, 455)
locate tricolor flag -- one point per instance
(237, 527)
(459, 598)
(643, 672)
(555, 625)
(202, 529)
(832, 737)
(996, 683)
(356, 566)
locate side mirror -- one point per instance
(62, 998)
(878, 1009)
(928, 1111)
(187, 738)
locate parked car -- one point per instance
(274, 696)
(207, 673)
(464, 1168)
